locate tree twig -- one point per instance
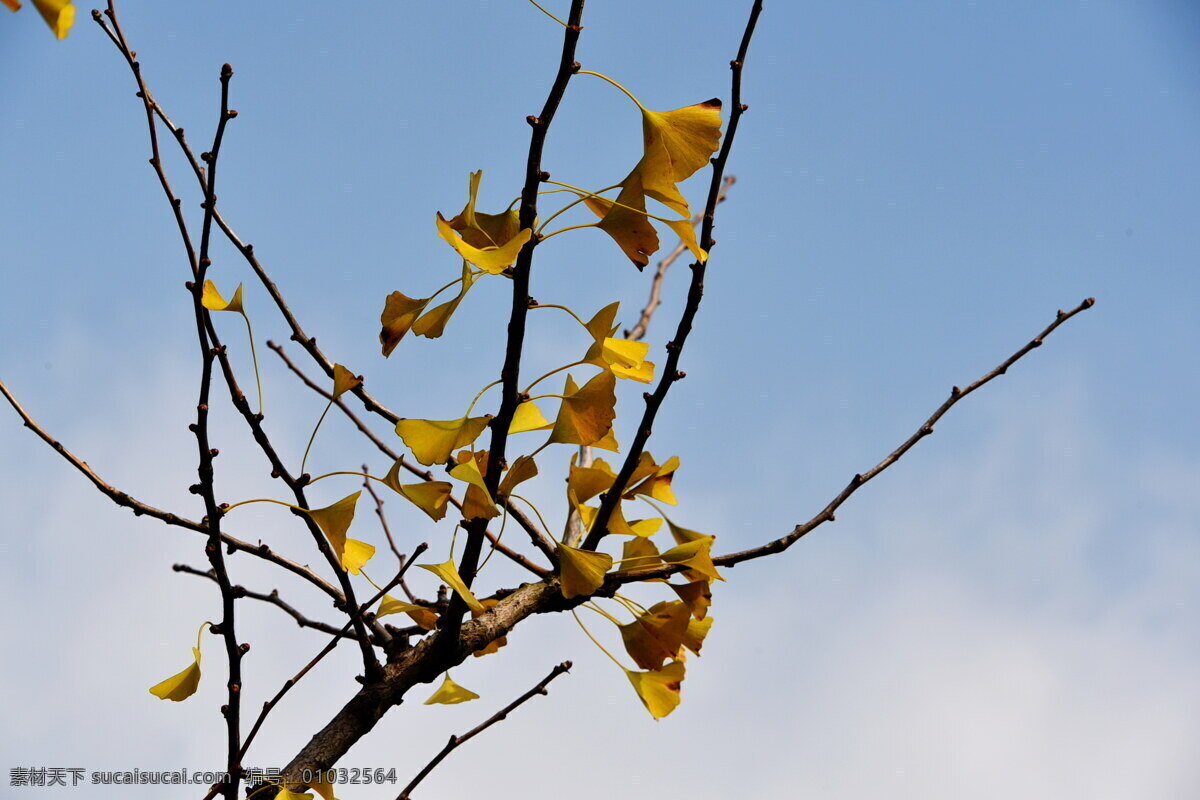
(671, 373)
(510, 372)
(638, 331)
(522, 519)
(499, 716)
(272, 598)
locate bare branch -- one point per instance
(858, 481)
(499, 716)
(272, 598)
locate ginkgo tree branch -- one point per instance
(861, 479)
(271, 598)
(521, 518)
(270, 705)
(212, 346)
(510, 371)
(671, 373)
(205, 488)
(139, 508)
(499, 716)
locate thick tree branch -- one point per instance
(499, 716)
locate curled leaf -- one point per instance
(433, 323)
(659, 689)
(657, 634)
(427, 618)
(211, 299)
(399, 313)
(696, 555)
(450, 693)
(697, 595)
(477, 502)
(625, 220)
(432, 497)
(449, 575)
(677, 143)
(492, 260)
(344, 381)
(182, 685)
(522, 469)
(654, 481)
(335, 520)
(484, 230)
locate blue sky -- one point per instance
(919, 188)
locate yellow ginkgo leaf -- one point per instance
(484, 230)
(432, 441)
(211, 299)
(528, 417)
(335, 520)
(433, 323)
(584, 483)
(683, 535)
(607, 442)
(323, 785)
(432, 497)
(477, 502)
(582, 571)
(492, 260)
(625, 220)
(522, 469)
(638, 554)
(182, 685)
(697, 595)
(645, 527)
(59, 14)
(657, 634)
(450, 693)
(286, 794)
(686, 232)
(696, 555)
(659, 689)
(344, 381)
(356, 555)
(697, 630)
(603, 323)
(586, 414)
(399, 313)
(427, 618)
(677, 143)
(449, 575)
(627, 359)
(654, 481)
